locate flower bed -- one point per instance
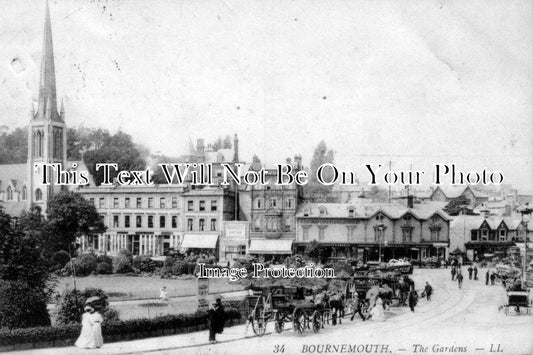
(43, 337)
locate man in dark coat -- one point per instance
(460, 279)
(413, 299)
(475, 272)
(470, 272)
(428, 291)
(217, 318)
(492, 278)
(487, 278)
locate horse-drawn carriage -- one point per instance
(282, 304)
(518, 300)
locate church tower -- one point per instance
(47, 133)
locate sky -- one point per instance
(410, 82)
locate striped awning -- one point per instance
(270, 246)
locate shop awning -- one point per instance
(199, 241)
(270, 246)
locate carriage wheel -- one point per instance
(259, 326)
(316, 321)
(279, 323)
(298, 321)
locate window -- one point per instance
(162, 202)
(201, 224)
(273, 202)
(350, 230)
(115, 221)
(174, 221)
(287, 226)
(127, 202)
(174, 202)
(435, 234)
(189, 224)
(139, 202)
(213, 205)
(407, 234)
(150, 202)
(127, 221)
(150, 221)
(190, 205)
(102, 202)
(38, 195)
(503, 235)
(305, 230)
(259, 203)
(115, 202)
(139, 221)
(484, 234)
(24, 193)
(91, 200)
(379, 232)
(272, 224)
(9, 193)
(202, 206)
(351, 212)
(322, 211)
(257, 224)
(162, 221)
(288, 203)
(213, 224)
(473, 235)
(321, 232)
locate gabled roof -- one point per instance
(14, 174)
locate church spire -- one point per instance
(47, 86)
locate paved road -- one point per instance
(456, 321)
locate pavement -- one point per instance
(455, 321)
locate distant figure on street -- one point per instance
(453, 272)
(492, 278)
(487, 277)
(475, 272)
(163, 295)
(470, 272)
(428, 290)
(216, 318)
(460, 279)
(376, 313)
(413, 299)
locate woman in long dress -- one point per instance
(376, 313)
(91, 330)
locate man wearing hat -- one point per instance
(217, 318)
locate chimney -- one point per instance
(236, 149)
(410, 201)
(298, 162)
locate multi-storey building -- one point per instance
(372, 231)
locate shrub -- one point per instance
(85, 264)
(22, 306)
(144, 264)
(104, 259)
(71, 304)
(104, 268)
(60, 259)
(123, 263)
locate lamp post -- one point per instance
(526, 215)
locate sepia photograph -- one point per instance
(266, 177)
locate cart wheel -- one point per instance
(316, 321)
(298, 321)
(259, 326)
(278, 323)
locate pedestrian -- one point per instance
(492, 278)
(460, 279)
(163, 295)
(413, 299)
(91, 327)
(487, 277)
(217, 318)
(376, 313)
(428, 290)
(475, 272)
(453, 273)
(470, 269)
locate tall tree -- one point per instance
(14, 146)
(321, 155)
(70, 216)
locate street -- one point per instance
(455, 321)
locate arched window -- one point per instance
(24, 193)
(9, 193)
(38, 195)
(39, 144)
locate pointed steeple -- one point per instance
(47, 86)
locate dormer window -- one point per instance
(322, 211)
(351, 212)
(379, 217)
(306, 212)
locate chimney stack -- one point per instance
(410, 201)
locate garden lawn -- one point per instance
(120, 287)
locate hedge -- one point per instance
(65, 335)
